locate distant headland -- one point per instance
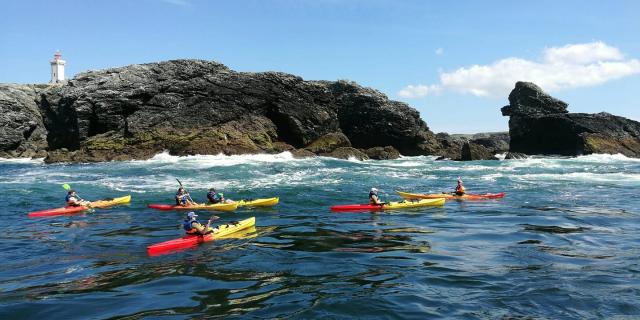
(191, 107)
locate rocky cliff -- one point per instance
(202, 107)
(541, 124)
(22, 131)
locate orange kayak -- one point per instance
(407, 195)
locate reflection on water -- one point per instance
(562, 244)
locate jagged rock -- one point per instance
(346, 153)
(282, 147)
(302, 153)
(451, 146)
(541, 125)
(369, 120)
(202, 107)
(471, 151)
(328, 143)
(527, 99)
(515, 156)
(495, 142)
(22, 131)
(383, 153)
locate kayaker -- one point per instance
(216, 197)
(183, 199)
(460, 190)
(192, 226)
(73, 199)
(374, 199)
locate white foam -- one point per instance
(219, 160)
(22, 160)
(616, 177)
(501, 156)
(606, 158)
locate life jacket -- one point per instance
(181, 199)
(188, 227)
(371, 194)
(460, 189)
(214, 197)
(68, 198)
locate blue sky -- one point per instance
(460, 58)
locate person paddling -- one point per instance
(73, 199)
(460, 190)
(183, 199)
(374, 199)
(192, 226)
(216, 197)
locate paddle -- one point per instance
(185, 190)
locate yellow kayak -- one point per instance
(218, 207)
(109, 203)
(391, 205)
(266, 202)
(193, 240)
(408, 195)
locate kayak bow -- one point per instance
(267, 202)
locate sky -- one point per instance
(454, 62)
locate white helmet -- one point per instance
(374, 190)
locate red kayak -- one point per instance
(69, 210)
(57, 211)
(190, 241)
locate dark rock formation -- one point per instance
(494, 142)
(472, 151)
(451, 146)
(465, 147)
(515, 156)
(22, 131)
(527, 98)
(328, 143)
(346, 153)
(383, 153)
(540, 124)
(201, 107)
(302, 153)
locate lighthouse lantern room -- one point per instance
(57, 68)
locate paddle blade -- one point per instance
(66, 186)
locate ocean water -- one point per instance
(563, 244)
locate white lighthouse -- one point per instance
(57, 68)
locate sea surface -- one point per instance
(563, 244)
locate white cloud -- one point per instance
(582, 53)
(439, 51)
(421, 90)
(570, 66)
